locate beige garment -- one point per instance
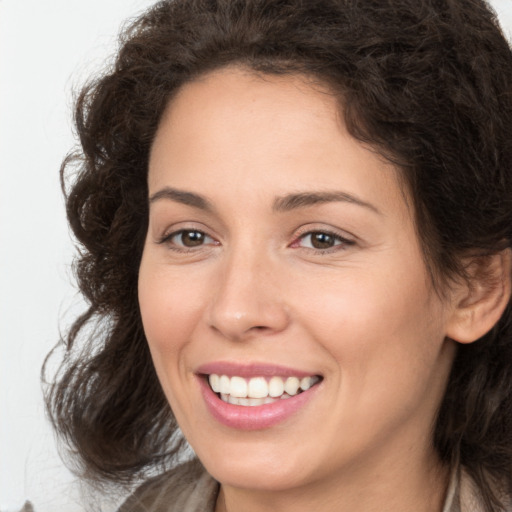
(462, 495)
(189, 488)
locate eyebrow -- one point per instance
(305, 199)
(183, 197)
(281, 204)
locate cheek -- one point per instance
(382, 323)
(387, 346)
(366, 305)
(170, 305)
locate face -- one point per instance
(282, 253)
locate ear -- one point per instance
(479, 303)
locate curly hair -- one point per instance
(426, 83)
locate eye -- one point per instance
(321, 240)
(188, 238)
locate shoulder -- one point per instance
(185, 488)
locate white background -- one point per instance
(47, 48)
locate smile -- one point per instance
(260, 390)
(255, 396)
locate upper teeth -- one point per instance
(259, 387)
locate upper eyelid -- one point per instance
(316, 228)
(338, 237)
(329, 233)
(172, 233)
(294, 235)
(176, 227)
(343, 245)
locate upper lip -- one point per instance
(251, 370)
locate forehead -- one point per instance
(232, 103)
(273, 132)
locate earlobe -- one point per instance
(479, 304)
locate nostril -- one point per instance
(236, 316)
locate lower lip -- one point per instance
(253, 418)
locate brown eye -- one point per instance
(322, 240)
(191, 238)
(187, 239)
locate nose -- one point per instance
(247, 300)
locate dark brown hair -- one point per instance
(426, 83)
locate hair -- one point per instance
(425, 83)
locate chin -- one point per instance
(258, 467)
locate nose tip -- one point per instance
(247, 318)
(247, 304)
(238, 326)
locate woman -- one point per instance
(295, 222)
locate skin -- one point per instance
(362, 313)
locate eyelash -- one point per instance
(342, 244)
(167, 239)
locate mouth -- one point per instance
(259, 390)
(255, 396)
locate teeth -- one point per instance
(238, 387)
(248, 402)
(305, 383)
(291, 386)
(257, 390)
(215, 383)
(276, 387)
(258, 387)
(224, 384)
